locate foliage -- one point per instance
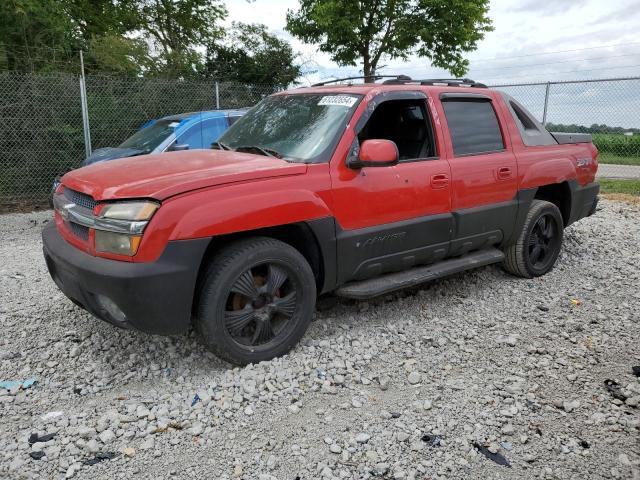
(594, 128)
(251, 55)
(120, 55)
(613, 146)
(372, 30)
(617, 144)
(151, 38)
(178, 28)
(29, 25)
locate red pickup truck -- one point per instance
(354, 189)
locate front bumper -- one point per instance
(153, 297)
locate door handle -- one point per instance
(439, 180)
(504, 173)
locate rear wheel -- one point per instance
(538, 245)
(256, 300)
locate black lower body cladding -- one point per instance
(153, 297)
(584, 200)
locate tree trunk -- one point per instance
(367, 68)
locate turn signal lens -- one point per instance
(117, 243)
(138, 211)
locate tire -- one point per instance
(256, 300)
(537, 248)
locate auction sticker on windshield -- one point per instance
(339, 100)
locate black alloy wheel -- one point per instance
(539, 241)
(543, 242)
(260, 305)
(255, 301)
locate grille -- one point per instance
(79, 231)
(80, 199)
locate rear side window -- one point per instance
(532, 132)
(473, 126)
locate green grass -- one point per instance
(612, 158)
(628, 187)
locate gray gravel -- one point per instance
(412, 386)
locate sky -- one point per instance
(533, 41)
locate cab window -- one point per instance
(407, 124)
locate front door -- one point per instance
(391, 218)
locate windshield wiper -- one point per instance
(221, 146)
(269, 152)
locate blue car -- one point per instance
(185, 131)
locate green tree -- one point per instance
(120, 55)
(35, 35)
(371, 30)
(250, 54)
(179, 27)
(98, 18)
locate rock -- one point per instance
(363, 437)
(142, 412)
(508, 429)
(414, 377)
(129, 452)
(633, 401)
(148, 443)
(381, 468)
(510, 340)
(335, 448)
(86, 432)
(385, 381)
(293, 408)
(510, 411)
(107, 436)
(196, 429)
(92, 446)
(570, 406)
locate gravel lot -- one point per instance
(400, 388)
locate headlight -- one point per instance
(140, 210)
(119, 227)
(118, 243)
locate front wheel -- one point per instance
(538, 245)
(256, 300)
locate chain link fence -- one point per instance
(42, 134)
(41, 121)
(607, 109)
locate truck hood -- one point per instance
(166, 174)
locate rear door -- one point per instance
(483, 171)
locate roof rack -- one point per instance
(399, 78)
(450, 82)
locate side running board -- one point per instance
(390, 282)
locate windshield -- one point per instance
(299, 128)
(147, 139)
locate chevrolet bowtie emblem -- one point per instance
(64, 210)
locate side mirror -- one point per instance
(178, 147)
(376, 153)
